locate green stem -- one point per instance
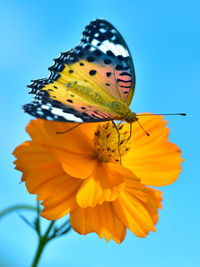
(38, 253)
(43, 240)
(17, 207)
(38, 219)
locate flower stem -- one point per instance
(43, 240)
(17, 207)
(39, 253)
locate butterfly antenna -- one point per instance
(69, 129)
(143, 128)
(139, 115)
(167, 114)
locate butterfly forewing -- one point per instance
(86, 81)
(115, 53)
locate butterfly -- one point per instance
(93, 82)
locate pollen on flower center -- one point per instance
(106, 141)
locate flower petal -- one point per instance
(73, 149)
(55, 187)
(47, 133)
(150, 198)
(73, 141)
(88, 129)
(61, 200)
(61, 209)
(154, 198)
(135, 211)
(42, 175)
(101, 220)
(37, 132)
(153, 158)
(103, 185)
(76, 165)
(29, 155)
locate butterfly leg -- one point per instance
(70, 129)
(127, 139)
(130, 131)
(118, 140)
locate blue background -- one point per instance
(164, 38)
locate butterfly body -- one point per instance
(93, 82)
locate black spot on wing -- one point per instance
(92, 72)
(108, 74)
(107, 61)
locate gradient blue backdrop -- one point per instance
(164, 38)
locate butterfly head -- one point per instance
(131, 117)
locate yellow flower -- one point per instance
(79, 172)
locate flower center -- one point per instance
(108, 146)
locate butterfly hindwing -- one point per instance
(86, 81)
(55, 102)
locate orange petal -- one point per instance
(133, 214)
(76, 165)
(41, 175)
(125, 172)
(88, 129)
(150, 198)
(136, 188)
(29, 155)
(55, 187)
(65, 186)
(101, 220)
(132, 183)
(153, 158)
(73, 141)
(154, 198)
(71, 148)
(104, 184)
(60, 198)
(61, 209)
(37, 132)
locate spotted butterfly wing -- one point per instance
(93, 82)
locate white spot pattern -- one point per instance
(67, 116)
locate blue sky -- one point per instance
(164, 39)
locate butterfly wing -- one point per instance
(58, 103)
(104, 38)
(93, 82)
